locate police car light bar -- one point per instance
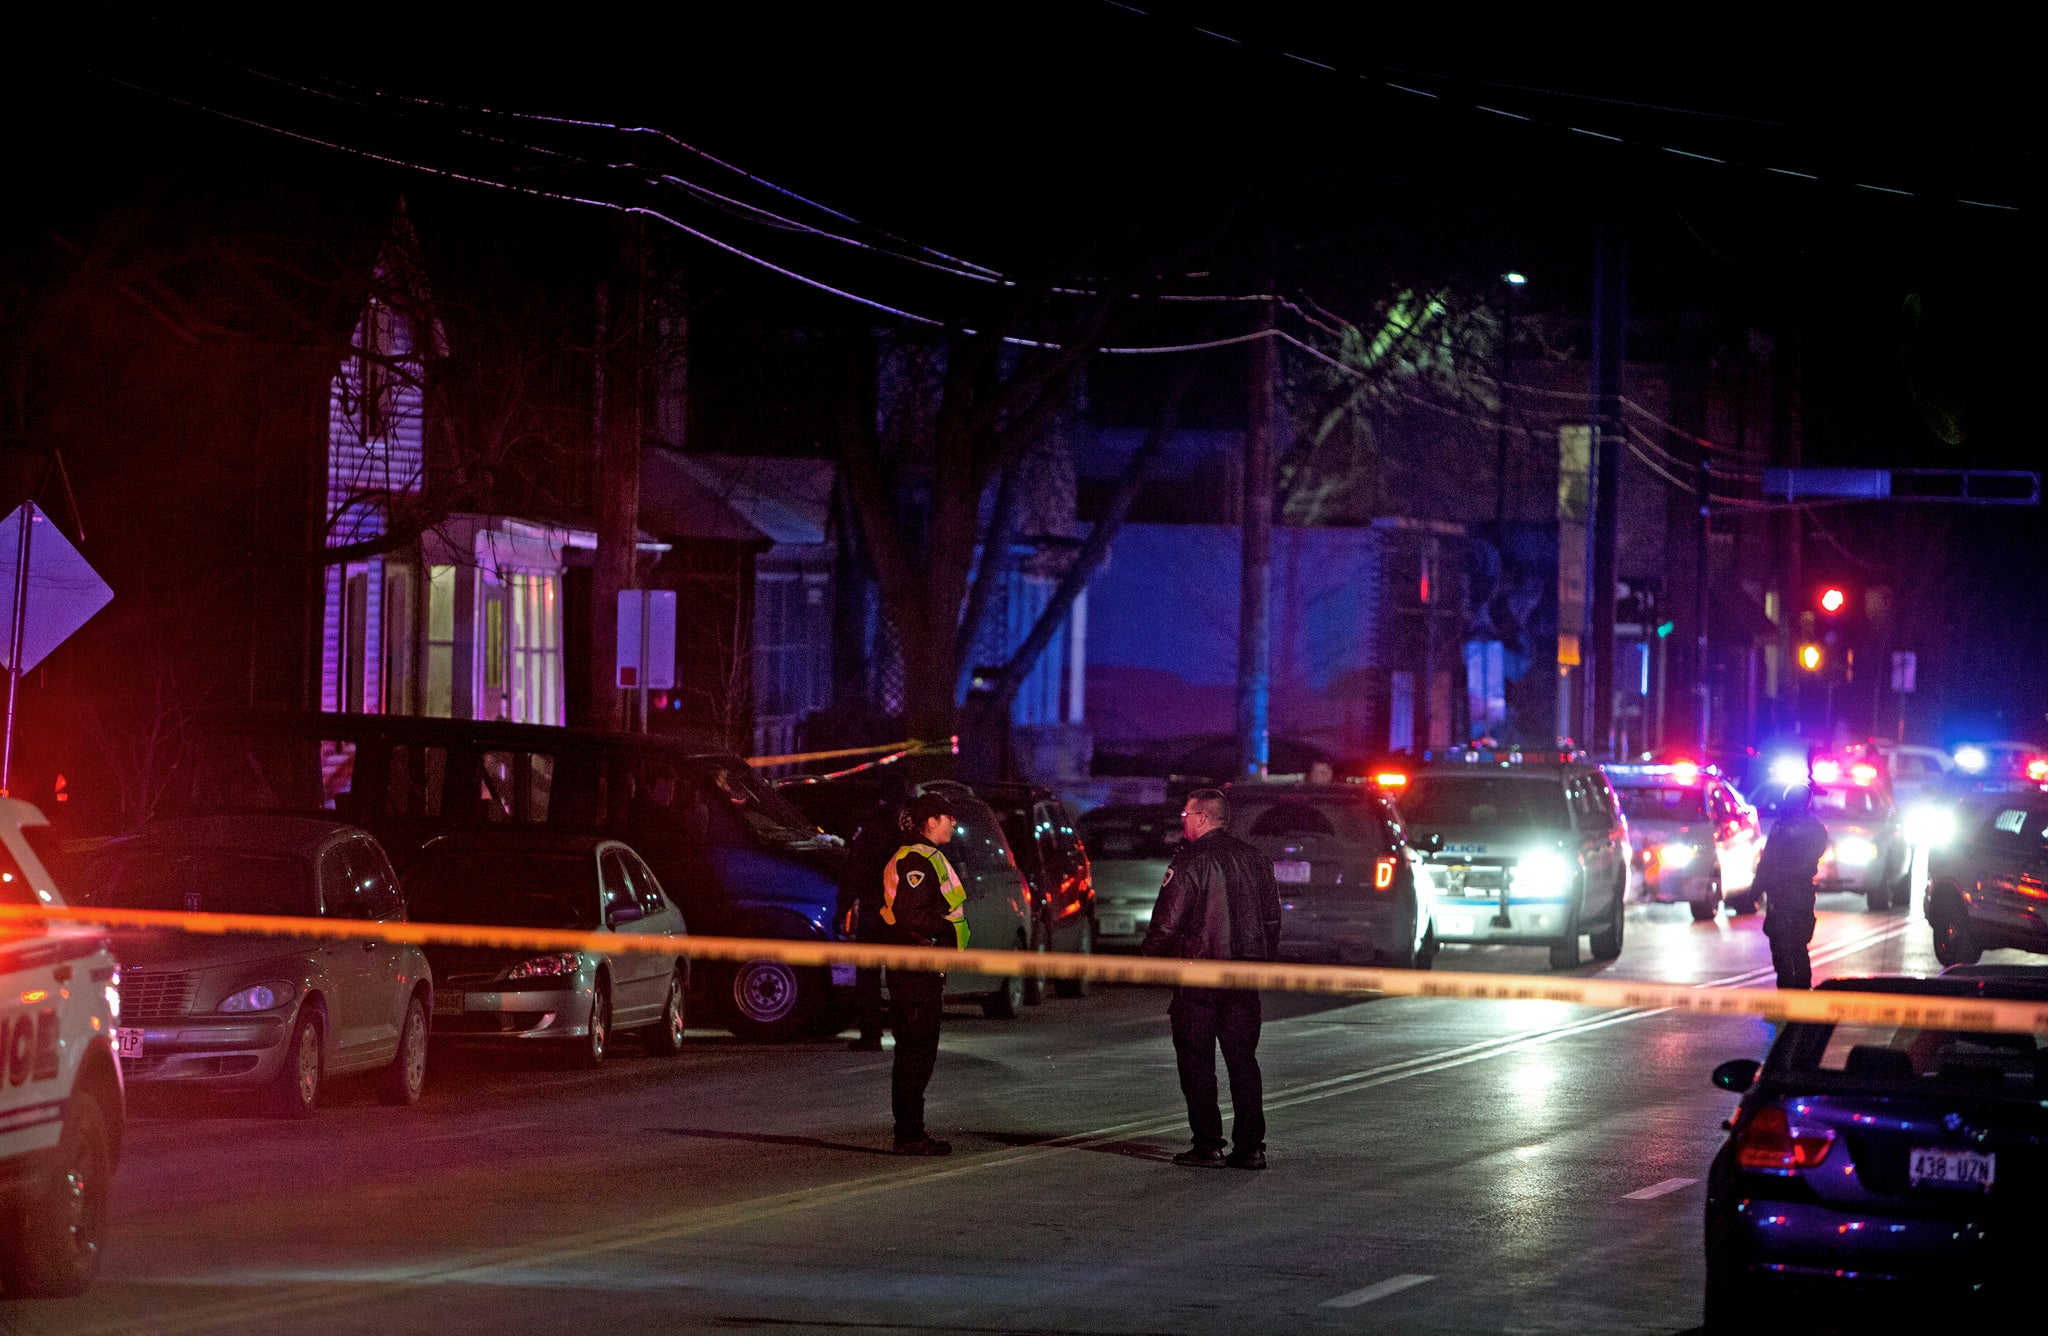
(1502, 756)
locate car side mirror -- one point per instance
(1432, 843)
(623, 913)
(1737, 1074)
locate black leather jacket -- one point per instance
(1218, 902)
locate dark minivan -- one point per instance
(739, 860)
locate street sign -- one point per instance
(659, 643)
(1970, 487)
(1905, 665)
(64, 591)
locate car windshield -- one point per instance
(506, 888)
(1663, 803)
(1347, 818)
(1985, 1062)
(1113, 833)
(1485, 800)
(213, 881)
(760, 810)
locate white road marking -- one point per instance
(1393, 1285)
(1656, 1190)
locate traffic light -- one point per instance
(1833, 599)
(1810, 657)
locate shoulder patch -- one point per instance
(914, 878)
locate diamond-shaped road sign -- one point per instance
(64, 591)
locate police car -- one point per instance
(1696, 839)
(61, 1099)
(1524, 849)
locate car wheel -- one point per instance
(1084, 947)
(56, 1223)
(1878, 898)
(1034, 985)
(1425, 955)
(1606, 942)
(1954, 943)
(665, 1038)
(406, 1078)
(591, 1049)
(295, 1091)
(1708, 905)
(773, 1003)
(1007, 1001)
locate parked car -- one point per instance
(1129, 846)
(1695, 838)
(1917, 774)
(1525, 848)
(61, 1109)
(1041, 833)
(735, 857)
(1873, 1165)
(1351, 890)
(278, 1015)
(574, 1001)
(1987, 887)
(1868, 852)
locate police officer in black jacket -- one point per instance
(1785, 875)
(1218, 902)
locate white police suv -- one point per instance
(60, 1081)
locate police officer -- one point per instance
(1785, 875)
(923, 904)
(1217, 902)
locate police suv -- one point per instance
(60, 1098)
(1524, 849)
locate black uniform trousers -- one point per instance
(1789, 923)
(1202, 1019)
(919, 1002)
(867, 986)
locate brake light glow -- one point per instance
(2037, 769)
(1685, 772)
(1773, 1144)
(1390, 779)
(1865, 773)
(1827, 772)
(1383, 874)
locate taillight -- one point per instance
(1383, 874)
(1775, 1144)
(1867, 774)
(2037, 769)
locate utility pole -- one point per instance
(1702, 555)
(1254, 614)
(1610, 343)
(621, 378)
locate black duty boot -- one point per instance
(1255, 1158)
(924, 1145)
(1201, 1157)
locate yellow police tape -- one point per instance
(804, 758)
(1897, 1009)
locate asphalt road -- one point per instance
(1436, 1166)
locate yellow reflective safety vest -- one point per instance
(950, 889)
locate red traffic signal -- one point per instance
(1833, 599)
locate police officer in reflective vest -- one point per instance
(923, 904)
(1785, 875)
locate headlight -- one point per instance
(562, 964)
(259, 997)
(1855, 851)
(1542, 874)
(1676, 856)
(1788, 770)
(1931, 826)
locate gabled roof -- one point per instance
(735, 497)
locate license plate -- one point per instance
(1455, 925)
(1292, 872)
(1932, 1168)
(129, 1042)
(1116, 925)
(447, 1004)
(843, 976)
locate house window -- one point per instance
(536, 648)
(401, 638)
(440, 693)
(792, 654)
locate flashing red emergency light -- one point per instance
(1863, 772)
(1833, 599)
(1390, 779)
(2037, 770)
(1826, 771)
(1685, 772)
